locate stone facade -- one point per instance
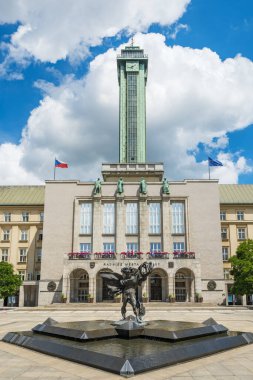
(179, 274)
(21, 231)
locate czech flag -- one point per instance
(60, 164)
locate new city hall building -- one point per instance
(62, 236)
(88, 230)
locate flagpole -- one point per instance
(54, 169)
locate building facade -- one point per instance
(236, 216)
(21, 229)
(106, 231)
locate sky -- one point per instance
(59, 91)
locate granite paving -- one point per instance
(23, 364)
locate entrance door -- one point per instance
(83, 291)
(180, 291)
(156, 288)
(105, 295)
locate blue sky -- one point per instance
(33, 81)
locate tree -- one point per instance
(242, 268)
(9, 281)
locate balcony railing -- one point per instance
(178, 255)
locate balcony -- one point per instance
(183, 255)
(105, 256)
(79, 255)
(131, 255)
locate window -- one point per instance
(154, 218)
(241, 233)
(224, 233)
(85, 247)
(37, 276)
(225, 253)
(38, 254)
(22, 255)
(155, 247)
(223, 215)
(40, 235)
(6, 235)
(7, 217)
(29, 276)
(178, 247)
(132, 247)
(41, 216)
(85, 218)
(25, 216)
(22, 274)
(132, 218)
(24, 235)
(240, 215)
(5, 254)
(109, 247)
(108, 218)
(177, 217)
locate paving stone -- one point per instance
(235, 364)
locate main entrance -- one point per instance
(102, 290)
(158, 285)
(156, 288)
(184, 285)
(79, 286)
(180, 287)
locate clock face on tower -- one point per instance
(132, 66)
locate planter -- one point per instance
(144, 299)
(90, 300)
(117, 300)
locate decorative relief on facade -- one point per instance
(211, 285)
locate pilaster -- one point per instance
(144, 224)
(97, 223)
(120, 224)
(166, 237)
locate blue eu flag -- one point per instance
(212, 162)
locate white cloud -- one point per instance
(177, 29)
(192, 97)
(231, 169)
(12, 172)
(54, 29)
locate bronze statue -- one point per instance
(120, 186)
(97, 187)
(143, 186)
(127, 284)
(165, 187)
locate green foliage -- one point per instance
(242, 268)
(9, 282)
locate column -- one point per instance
(171, 286)
(21, 296)
(92, 287)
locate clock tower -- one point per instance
(132, 76)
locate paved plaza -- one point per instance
(20, 363)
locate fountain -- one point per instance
(131, 345)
